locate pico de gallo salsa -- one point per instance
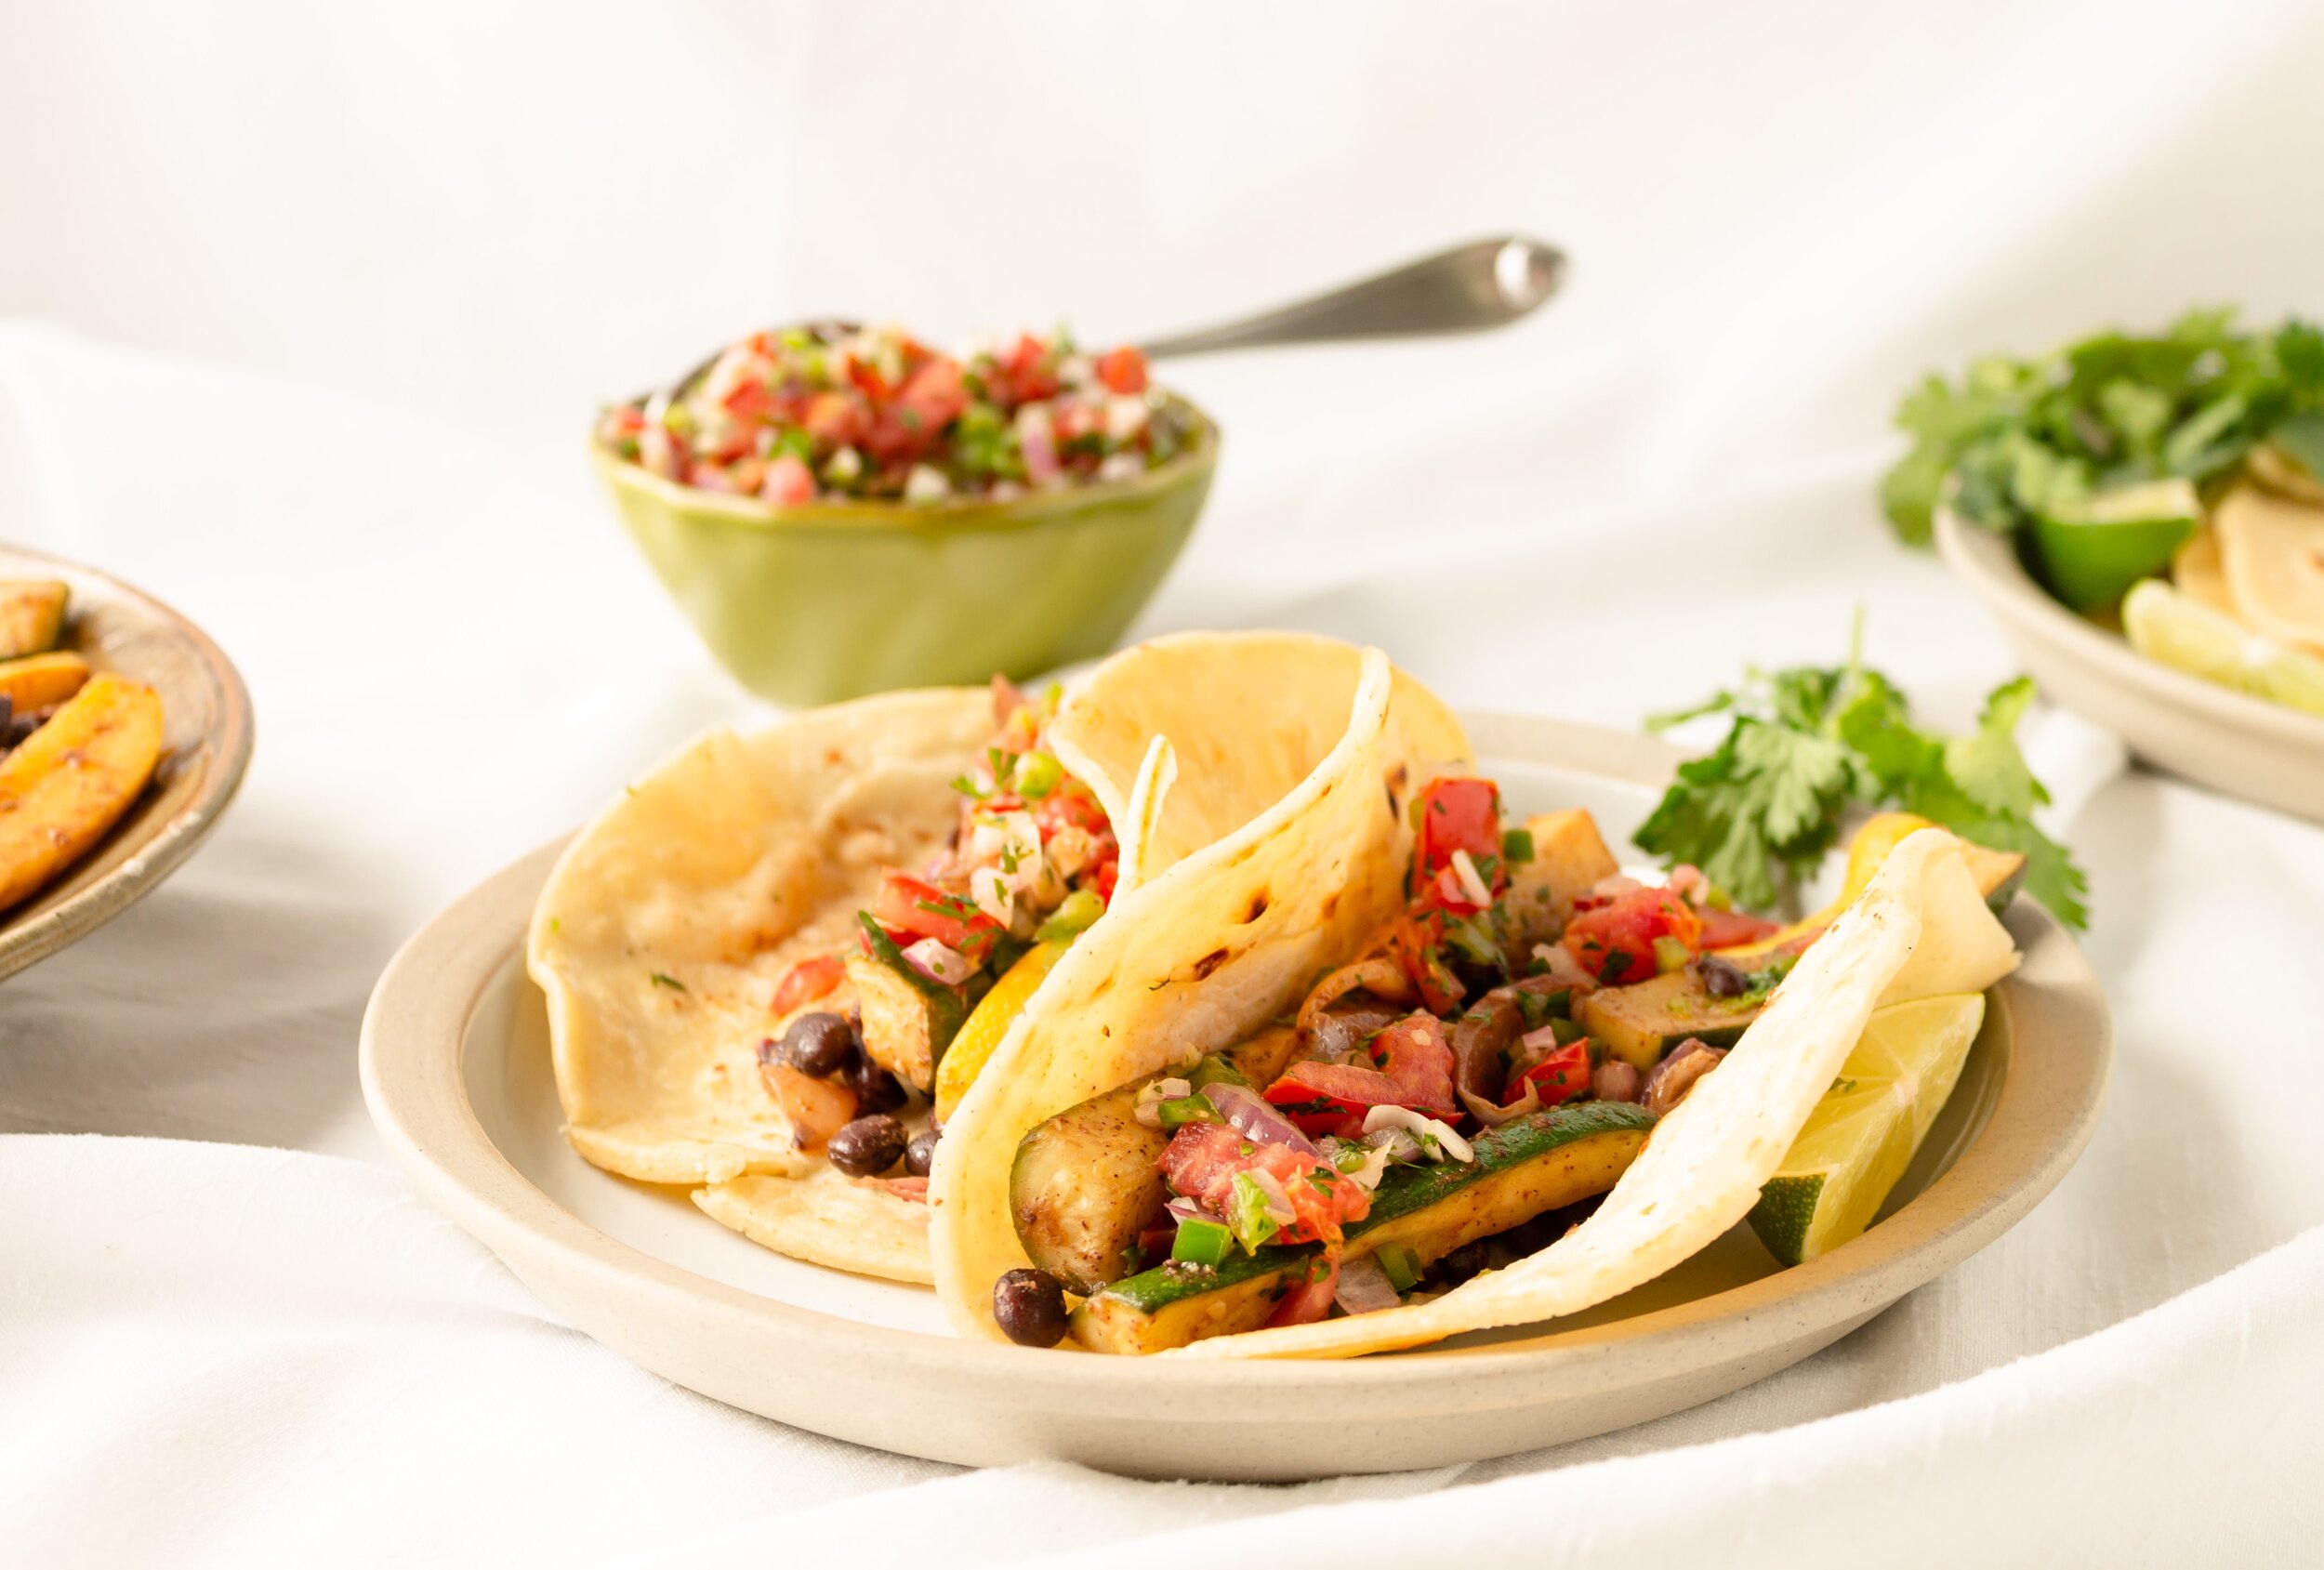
(1033, 862)
(827, 411)
(1478, 1005)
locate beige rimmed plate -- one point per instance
(456, 1069)
(206, 733)
(2215, 735)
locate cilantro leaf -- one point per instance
(2014, 439)
(1986, 765)
(1805, 744)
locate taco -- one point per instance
(777, 963)
(775, 956)
(1394, 1123)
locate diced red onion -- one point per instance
(1559, 968)
(1471, 883)
(1364, 1287)
(938, 963)
(1493, 1116)
(1250, 1115)
(1183, 1208)
(1420, 1123)
(1278, 1201)
(1398, 1142)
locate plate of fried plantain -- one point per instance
(124, 733)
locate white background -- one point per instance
(303, 312)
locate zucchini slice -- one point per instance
(1084, 1184)
(1639, 1024)
(909, 1019)
(1523, 1170)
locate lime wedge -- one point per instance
(2092, 552)
(2167, 627)
(1861, 1135)
(972, 1045)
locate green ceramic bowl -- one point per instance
(832, 600)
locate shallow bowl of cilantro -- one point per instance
(843, 510)
(2145, 518)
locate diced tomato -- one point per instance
(1449, 892)
(1109, 873)
(1413, 945)
(868, 379)
(788, 482)
(1457, 814)
(1615, 941)
(750, 399)
(1070, 805)
(1412, 1067)
(1030, 374)
(1561, 1076)
(1727, 929)
(921, 910)
(1202, 1159)
(1123, 370)
(1311, 1299)
(836, 419)
(807, 981)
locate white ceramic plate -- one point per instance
(456, 1069)
(2213, 736)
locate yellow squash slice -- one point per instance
(65, 786)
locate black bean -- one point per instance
(1724, 978)
(1463, 1262)
(868, 1147)
(819, 1045)
(1030, 1307)
(920, 1154)
(876, 1088)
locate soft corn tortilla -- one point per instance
(827, 1218)
(1918, 930)
(1285, 844)
(719, 872)
(716, 874)
(852, 1224)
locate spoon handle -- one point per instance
(1484, 283)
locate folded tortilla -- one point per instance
(1282, 846)
(1918, 930)
(670, 920)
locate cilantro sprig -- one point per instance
(1762, 809)
(2025, 436)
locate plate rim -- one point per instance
(414, 1039)
(25, 942)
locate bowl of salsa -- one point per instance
(843, 510)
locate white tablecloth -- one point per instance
(310, 308)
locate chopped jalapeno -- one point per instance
(1400, 1264)
(1202, 1242)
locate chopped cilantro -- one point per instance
(660, 978)
(2015, 438)
(1247, 1213)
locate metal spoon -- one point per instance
(1484, 283)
